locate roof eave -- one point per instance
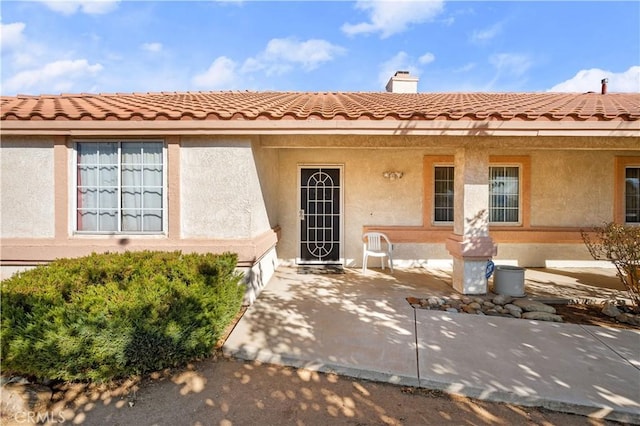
(612, 128)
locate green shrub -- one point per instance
(111, 315)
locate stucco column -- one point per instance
(470, 244)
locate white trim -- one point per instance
(73, 199)
(520, 185)
(435, 165)
(494, 164)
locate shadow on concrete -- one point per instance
(362, 326)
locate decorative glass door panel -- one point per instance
(319, 215)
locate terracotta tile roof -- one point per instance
(323, 106)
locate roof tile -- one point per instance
(326, 106)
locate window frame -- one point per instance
(434, 194)
(619, 203)
(74, 188)
(626, 197)
(521, 161)
(504, 166)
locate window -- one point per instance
(504, 194)
(120, 187)
(632, 194)
(443, 194)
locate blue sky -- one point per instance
(51, 47)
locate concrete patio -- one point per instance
(362, 326)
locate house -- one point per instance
(298, 177)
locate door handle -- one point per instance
(301, 214)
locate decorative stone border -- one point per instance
(511, 307)
(499, 306)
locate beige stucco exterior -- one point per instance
(572, 188)
(564, 191)
(241, 193)
(369, 198)
(220, 190)
(27, 193)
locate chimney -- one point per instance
(402, 82)
(604, 82)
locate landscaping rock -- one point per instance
(494, 313)
(610, 309)
(628, 319)
(454, 303)
(519, 308)
(468, 309)
(513, 310)
(25, 398)
(533, 306)
(541, 316)
(434, 302)
(475, 305)
(502, 299)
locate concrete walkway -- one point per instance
(362, 326)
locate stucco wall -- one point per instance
(568, 189)
(220, 191)
(240, 187)
(540, 255)
(571, 188)
(264, 189)
(27, 188)
(369, 199)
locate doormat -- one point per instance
(321, 269)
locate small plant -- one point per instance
(111, 315)
(620, 245)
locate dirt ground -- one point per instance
(589, 315)
(226, 392)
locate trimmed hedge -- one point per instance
(112, 315)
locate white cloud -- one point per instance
(487, 34)
(152, 47)
(427, 58)
(513, 64)
(448, 21)
(220, 75)
(589, 80)
(18, 51)
(392, 17)
(282, 53)
(90, 7)
(11, 35)
(401, 61)
(58, 76)
(466, 67)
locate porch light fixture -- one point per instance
(392, 175)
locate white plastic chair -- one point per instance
(373, 246)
